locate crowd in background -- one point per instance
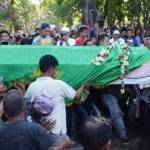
(80, 36)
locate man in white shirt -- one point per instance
(58, 90)
(116, 38)
(65, 38)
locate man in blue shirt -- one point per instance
(44, 37)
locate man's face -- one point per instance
(84, 33)
(116, 36)
(45, 32)
(147, 33)
(147, 42)
(5, 37)
(108, 32)
(130, 34)
(123, 33)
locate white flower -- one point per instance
(122, 91)
(126, 63)
(97, 63)
(97, 58)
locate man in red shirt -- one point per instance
(83, 36)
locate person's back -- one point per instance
(16, 133)
(22, 135)
(58, 90)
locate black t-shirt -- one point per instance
(23, 136)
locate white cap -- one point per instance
(52, 26)
(116, 32)
(65, 29)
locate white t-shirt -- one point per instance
(120, 40)
(59, 90)
(71, 42)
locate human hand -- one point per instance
(49, 124)
(20, 87)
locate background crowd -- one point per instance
(80, 36)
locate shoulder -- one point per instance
(36, 40)
(35, 128)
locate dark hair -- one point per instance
(4, 31)
(95, 133)
(82, 28)
(123, 29)
(101, 37)
(88, 40)
(137, 30)
(37, 29)
(129, 30)
(13, 103)
(47, 62)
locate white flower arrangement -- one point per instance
(101, 57)
(124, 59)
(124, 56)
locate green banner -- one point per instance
(21, 62)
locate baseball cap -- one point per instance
(43, 103)
(45, 26)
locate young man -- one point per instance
(96, 134)
(4, 38)
(44, 37)
(16, 133)
(83, 36)
(65, 39)
(130, 38)
(57, 90)
(116, 38)
(147, 42)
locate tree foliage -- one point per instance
(19, 14)
(23, 14)
(110, 10)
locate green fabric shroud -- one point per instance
(21, 62)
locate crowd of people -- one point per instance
(35, 117)
(79, 36)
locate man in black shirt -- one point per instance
(17, 134)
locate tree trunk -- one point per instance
(85, 12)
(89, 12)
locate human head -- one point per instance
(103, 39)
(45, 30)
(147, 31)
(96, 25)
(13, 104)
(37, 30)
(129, 33)
(147, 42)
(4, 37)
(116, 34)
(65, 33)
(123, 32)
(48, 64)
(95, 134)
(138, 31)
(108, 32)
(83, 31)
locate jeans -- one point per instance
(111, 103)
